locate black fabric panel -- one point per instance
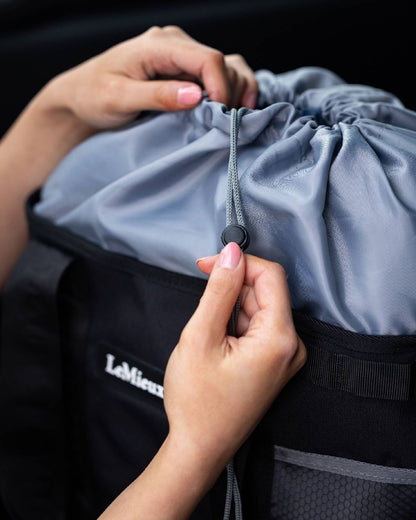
(74, 312)
(138, 319)
(32, 464)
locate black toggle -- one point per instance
(236, 233)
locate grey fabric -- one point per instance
(327, 178)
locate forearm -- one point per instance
(43, 134)
(170, 487)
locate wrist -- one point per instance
(37, 141)
(195, 460)
(171, 486)
(191, 462)
(54, 103)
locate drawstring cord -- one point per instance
(233, 492)
(233, 201)
(235, 231)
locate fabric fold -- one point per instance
(327, 183)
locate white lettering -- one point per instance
(129, 373)
(159, 392)
(118, 372)
(110, 362)
(152, 388)
(133, 376)
(138, 378)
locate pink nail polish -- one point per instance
(189, 95)
(203, 258)
(252, 100)
(230, 256)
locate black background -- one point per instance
(368, 42)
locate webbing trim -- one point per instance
(364, 378)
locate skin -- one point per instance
(211, 408)
(217, 387)
(162, 69)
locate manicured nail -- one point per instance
(189, 95)
(203, 259)
(230, 256)
(251, 100)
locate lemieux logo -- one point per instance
(132, 375)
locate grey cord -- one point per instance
(237, 500)
(232, 492)
(234, 213)
(233, 202)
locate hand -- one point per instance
(217, 387)
(112, 88)
(104, 92)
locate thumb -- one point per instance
(161, 95)
(209, 322)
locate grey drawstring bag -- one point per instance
(321, 177)
(328, 189)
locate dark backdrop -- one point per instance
(364, 41)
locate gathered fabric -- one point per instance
(327, 175)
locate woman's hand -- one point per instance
(162, 69)
(217, 387)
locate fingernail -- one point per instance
(189, 95)
(203, 258)
(230, 256)
(252, 100)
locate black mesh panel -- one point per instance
(301, 493)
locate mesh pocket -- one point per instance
(309, 486)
